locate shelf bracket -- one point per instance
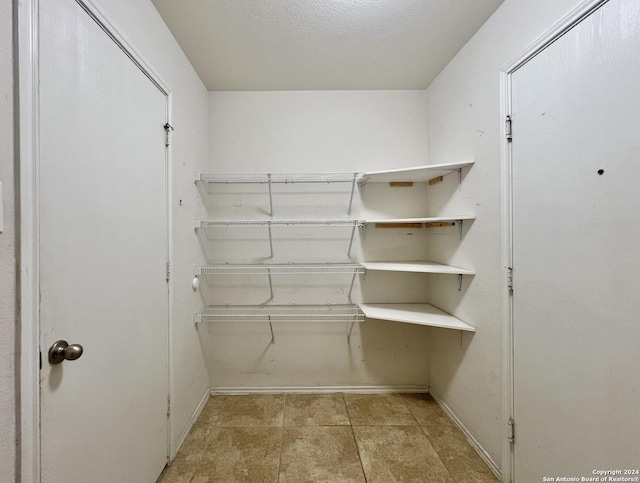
(363, 226)
(353, 189)
(459, 230)
(459, 179)
(349, 332)
(353, 232)
(270, 197)
(270, 285)
(273, 337)
(353, 279)
(459, 282)
(270, 242)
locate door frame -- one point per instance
(28, 218)
(565, 24)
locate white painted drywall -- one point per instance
(316, 131)
(139, 22)
(7, 250)
(463, 106)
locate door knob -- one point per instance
(61, 350)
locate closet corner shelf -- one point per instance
(417, 267)
(419, 314)
(416, 174)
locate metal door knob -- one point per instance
(61, 351)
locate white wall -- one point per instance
(315, 131)
(463, 106)
(139, 22)
(7, 248)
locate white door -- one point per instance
(576, 256)
(103, 249)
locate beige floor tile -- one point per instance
(462, 461)
(392, 454)
(320, 454)
(315, 410)
(426, 410)
(245, 410)
(378, 409)
(249, 454)
(184, 465)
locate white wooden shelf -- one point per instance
(456, 219)
(415, 174)
(418, 267)
(432, 219)
(419, 314)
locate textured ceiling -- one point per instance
(322, 44)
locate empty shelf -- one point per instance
(419, 267)
(420, 314)
(416, 174)
(275, 269)
(281, 313)
(286, 178)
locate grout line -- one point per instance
(284, 409)
(353, 434)
(436, 451)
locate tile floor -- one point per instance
(339, 437)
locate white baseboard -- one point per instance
(470, 438)
(192, 420)
(319, 389)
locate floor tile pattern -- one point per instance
(341, 438)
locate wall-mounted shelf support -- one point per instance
(459, 282)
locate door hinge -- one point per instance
(510, 279)
(40, 352)
(168, 271)
(507, 129)
(168, 128)
(168, 406)
(511, 435)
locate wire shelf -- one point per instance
(286, 178)
(273, 223)
(275, 269)
(281, 313)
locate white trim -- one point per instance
(565, 24)
(556, 31)
(470, 438)
(28, 61)
(29, 466)
(319, 389)
(190, 423)
(506, 254)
